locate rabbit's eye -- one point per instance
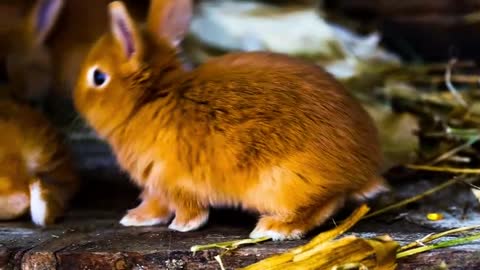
(97, 77)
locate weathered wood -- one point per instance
(89, 237)
(110, 246)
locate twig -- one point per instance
(463, 133)
(417, 197)
(471, 185)
(227, 246)
(459, 159)
(456, 133)
(473, 79)
(444, 244)
(230, 245)
(431, 237)
(455, 150)
(444, 169)
(439, 66)
(218, 258)
(350, 266)
(473, 17)
(451, 88)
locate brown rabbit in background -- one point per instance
(45, 51)
(261, 131)
(36, 171)
(26, 58)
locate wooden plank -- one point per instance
(89, 244)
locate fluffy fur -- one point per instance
(261, 131)
(35, 166)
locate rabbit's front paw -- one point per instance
(145, 215)
(277, 230)
(188, 222)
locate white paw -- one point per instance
(190, 225)
(135, 220)
(275, 235)
(38, 205)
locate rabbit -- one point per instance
(44, 52)
(36, 170)
(26, 60)
(262, 131)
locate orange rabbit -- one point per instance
(45, 51)
(261, 131)
(35, 167)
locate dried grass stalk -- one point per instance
(322, 252)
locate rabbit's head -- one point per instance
(27, 61)
(125, 61)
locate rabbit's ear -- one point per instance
(42, 19)
(124, 31)
(170, 19)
